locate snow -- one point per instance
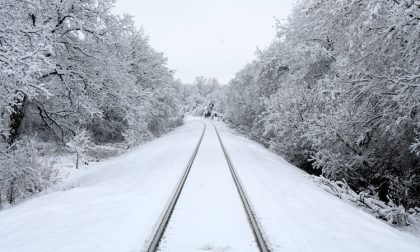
(117, 204)
(115, 208)
(297, 215)
(209, 214)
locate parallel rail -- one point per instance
(154, 244)
(259, 238)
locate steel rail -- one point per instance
(259, 238)
(154, 244)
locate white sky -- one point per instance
(213, 38)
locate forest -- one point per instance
(337, 93)
(74, 76)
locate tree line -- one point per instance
(73, 73)
(337, 93)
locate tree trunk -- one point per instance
(11, 192)
(16, 119)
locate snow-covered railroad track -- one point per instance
(256, 230)
(154, 244)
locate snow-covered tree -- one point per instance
(338, 92)
(198, 95)
(68, 67)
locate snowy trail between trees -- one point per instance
(118, 205)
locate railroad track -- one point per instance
(259, 238)
(154, 244)
(256, 230)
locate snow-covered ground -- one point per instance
(118, 204)
(209, 215)
(114, 208)
(297, 215)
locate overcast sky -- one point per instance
(212, 38)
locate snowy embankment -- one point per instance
(118, 204)
(297, 215)
(113, 208)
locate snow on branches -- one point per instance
(389, 212)
(338, 93)
(68, 67)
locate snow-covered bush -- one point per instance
(21, 173)
(79, 145)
